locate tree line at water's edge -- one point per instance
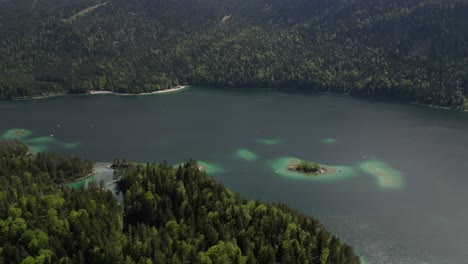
(171, 215)
(414, 50)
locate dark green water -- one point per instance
(242, 135)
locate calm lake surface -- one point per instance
(425, 220)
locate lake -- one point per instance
(398, 194)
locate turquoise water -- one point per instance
(407, 207)
(36, 144)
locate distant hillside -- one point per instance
(414, 50)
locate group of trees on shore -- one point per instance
(408, 50)
(42, 221)
(171, 215)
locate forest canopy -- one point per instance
(408, 50)
(170, 215)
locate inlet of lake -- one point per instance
(398, 196)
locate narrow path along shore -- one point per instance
(174, 89)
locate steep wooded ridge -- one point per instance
(414, 50)
(171, 215)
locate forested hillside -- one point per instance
(171, 215)
(414, 50)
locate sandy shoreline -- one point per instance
(98, 92)
(174, 89)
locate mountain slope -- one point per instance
(414, 50)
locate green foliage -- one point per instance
(12, 149)
(171, 215)
(121, 164)
(408, 50)
(42, 222)
(181, 213)
(307, 166)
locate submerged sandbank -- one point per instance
(36, 144)
(270, 141)
(16, 133)
(386, 176)
(245, 154)
(329, 141)
(100, 170)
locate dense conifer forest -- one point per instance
(171, 215)
(412, 50)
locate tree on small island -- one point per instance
(307, 167)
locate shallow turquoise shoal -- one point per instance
(12, 133)
(245, 154)
(71, 145)
(211, 168)
(37, 144)
(82, 183)
(270, 141)
(40, 140)
(329, 141)
(98, 172)
(386, 176)
(34, 149)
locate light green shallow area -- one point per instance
(210, 167)
(37, 144)
(364, 261)
(40, 140)
(270, 141)
(329, 141)
(34, 149)
(100, 172)
(71, 145)
(82, 183)
(386, 176)
(14, 133)
(245, 154)
(339, 172)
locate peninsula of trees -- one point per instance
(171, 215)
(409, 50)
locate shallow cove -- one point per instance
(422, 222)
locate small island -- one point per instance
(307, 167)
(16, 133)
(300, 169)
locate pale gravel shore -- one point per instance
(177, 88)
(100, 92)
